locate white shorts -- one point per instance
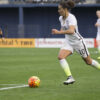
(79, 48)
(98, 36)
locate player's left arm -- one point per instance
(70, 30)
(96, 25)
(0, 31)
(1, 34)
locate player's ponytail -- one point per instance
(69, 4)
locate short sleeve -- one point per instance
(72, 21)
(60, 18)
(98, 21)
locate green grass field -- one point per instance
(18, 64)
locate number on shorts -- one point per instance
(82, 52)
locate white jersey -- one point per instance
(73, 41)
(98, 30)
(70, 20)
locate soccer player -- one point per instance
(73, 40)
(98, 30)
(1, 35)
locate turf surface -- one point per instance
(18, 64)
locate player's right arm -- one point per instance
(97, 24)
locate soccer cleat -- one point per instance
(98, 58)
(70, 80)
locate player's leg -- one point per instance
(98, 44)
(63, 54)
(92, 62)
(83, 51)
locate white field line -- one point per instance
(7, 88)
(10, 84)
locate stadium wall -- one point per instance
(36, 21)
(39, 42)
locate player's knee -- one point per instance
(88, 62)
(60, 57)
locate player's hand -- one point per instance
(55, 31)
(3, 38)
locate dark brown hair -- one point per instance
(69, 4)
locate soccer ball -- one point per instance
(34, 81)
